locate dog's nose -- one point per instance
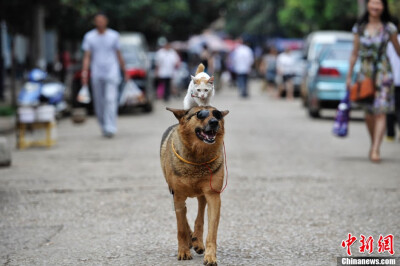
(213, 122)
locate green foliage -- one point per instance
(175, 19)
(252, 17)
(6, 110)
(395, 8)
(299, 17)
(178, 19)
(288, 18)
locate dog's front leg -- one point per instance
(197, 239)
(213, 211)
(183, 230)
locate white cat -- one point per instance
(200, 91)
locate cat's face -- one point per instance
(203, 87)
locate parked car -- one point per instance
(134, 50)
(327, 86)
(316, 42)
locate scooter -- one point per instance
(38, 90)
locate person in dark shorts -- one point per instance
(285, 63)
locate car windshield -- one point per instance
(131, 55)
(340, 51)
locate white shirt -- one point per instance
(166, 61)
(394, 62)
(285, 63)
(242, 59)
(103, 48)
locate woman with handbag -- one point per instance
(374, 89)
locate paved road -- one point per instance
(294, 192)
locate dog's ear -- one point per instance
(211, 80)
(224, 113)
(179, 113)
(193, 78)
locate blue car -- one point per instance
(327, 84)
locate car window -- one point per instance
(337, 54)
(318, 48)
(340, 51)
(132, 55)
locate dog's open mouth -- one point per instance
(206, 136)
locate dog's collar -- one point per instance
(189, 162)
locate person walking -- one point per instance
(206, 59)
(167, 61)
(268, 68)
(372, 33)
(395, 64)
(285, 63)
(102, 53)
(243, 60)
(216, 69)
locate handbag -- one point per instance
(131, 94)
(341, 125)
(364, 91)
(84, 95)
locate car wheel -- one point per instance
(148, 108)
(313, 113)
(313, 109)
(304, 100)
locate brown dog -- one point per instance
(190, 151)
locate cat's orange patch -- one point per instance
(201, 80)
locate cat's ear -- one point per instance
(211, 80)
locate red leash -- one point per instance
(226, 168)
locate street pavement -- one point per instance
(294, 191)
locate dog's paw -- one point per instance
(210, 260)
(184, 254)
(198, 245)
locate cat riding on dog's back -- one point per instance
(200, 91)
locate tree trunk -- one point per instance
(1, 64)
(361, 7)
(13, 75)
(38, 37)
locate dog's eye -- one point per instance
(198, 90)
(217, 114)
(203, 114)
(206, 90)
